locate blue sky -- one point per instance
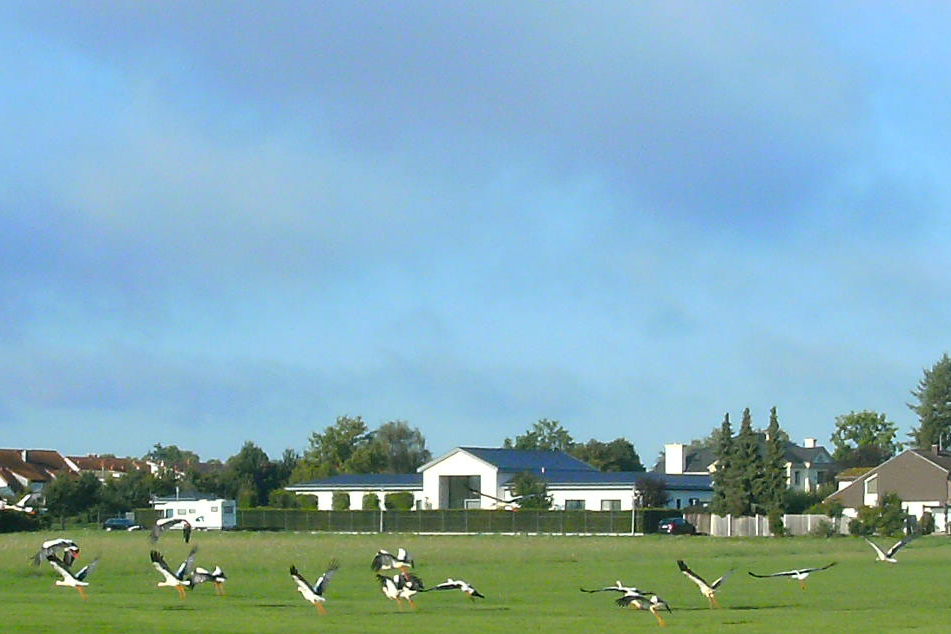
(223, 222)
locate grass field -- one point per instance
(531, 584)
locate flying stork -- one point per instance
(68, 547)
(800, 574)
(69, 579)
(401, 586)
(457, 584)
(217, 576)
(315, 593)
(889, 555)
(20, 505)
(653, 604)
(706, 589)
(168, 522)
(385, 560)
(619, 587)
(178, 579)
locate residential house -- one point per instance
(480, 478)
(29, 470)
(920, 477)
(807, 466)
(109, 467)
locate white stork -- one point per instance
(706, 589)
(653, 604)
(457, 584)
(315, 593)
(619, 587)
(889, 555)
(401, 586)
(166, 523)
(69, 579)
(178, 579)
(799, 575)
(217, 576)
(385, 560)
(68, 547)
(20, 505)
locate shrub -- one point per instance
(927, 523)
(13, 521)
(308, 501)
(823, 528)
(341, 501)
(864, 523)
(371, 502)
(776, 526)
(281, 499)
(402, 501)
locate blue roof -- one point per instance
(366, 480)
(529, 460)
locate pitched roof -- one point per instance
(941, 459)
(108, 463)
(12, 461)
(528, 460)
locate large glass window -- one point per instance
(610, 505)
(574, 505)
(871, 486)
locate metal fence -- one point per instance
(454, 521)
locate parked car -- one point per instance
(676, 526)
(120, 524)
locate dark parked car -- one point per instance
(120, 524)
(676, 526)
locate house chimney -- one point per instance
(675, 460)
(809, 443)
(24, 454)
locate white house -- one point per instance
(201, 511)
(479, 478)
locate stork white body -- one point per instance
(20, 505)
(888, 556)
(799, 574)
(457, 584)
(69, 579)
(653, 604)
(314, 594)
(216, 576)
(385, 560)
(708, 590)
(619, 587)
(401, 586)
(67, 547)
(178, 579)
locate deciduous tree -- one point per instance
(864, 436)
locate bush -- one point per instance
(402, 501)
(307, 501)
(371, 502)
(776, 526)
(281, 499)
(927, 523)
(823, 529)
(341, 501)
(864, 523)
(13, 521)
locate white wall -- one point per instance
(594, 496)
(461, 463)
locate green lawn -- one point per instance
(531, 584)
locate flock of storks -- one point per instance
(62, 552)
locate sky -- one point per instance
(232, 221)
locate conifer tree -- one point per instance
(773, 481)
(724, 477)
(748, 465)
(934, 406)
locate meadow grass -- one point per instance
(531, 584)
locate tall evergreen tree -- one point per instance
(748, 464)
(724, 478)
(933, 406)
(773, 482)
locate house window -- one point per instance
(574, 505)
(871, 486)
(192, 511)
(693, 502)
(797, 477)
(610, 505)
(181, 511)
(820, 477)
(678, 502)
(214, 509)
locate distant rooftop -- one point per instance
(528, 460)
